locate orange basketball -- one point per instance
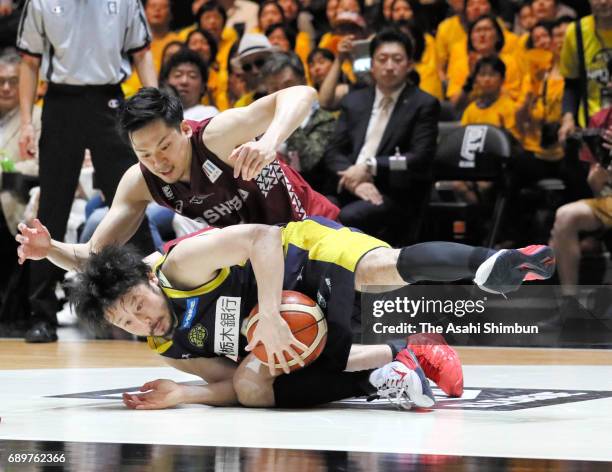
(306, 321)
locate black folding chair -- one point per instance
(471, 154)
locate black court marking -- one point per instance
(479, 399)
(497, 399)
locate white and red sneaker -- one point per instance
(506, 270)
(403, 383)
(439, 361)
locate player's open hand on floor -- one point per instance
(34, 243)
(158, 394)
(276, 336)
(250, 158)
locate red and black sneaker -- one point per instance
(506, 270)
(439, 361)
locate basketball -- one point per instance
(306, 321)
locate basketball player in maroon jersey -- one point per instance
(214, 171)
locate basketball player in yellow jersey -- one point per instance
(177, 304)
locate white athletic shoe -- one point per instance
(403, 385)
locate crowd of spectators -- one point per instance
(538, 69)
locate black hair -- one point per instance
(391, 35)
(105, 277)
(184, 56)
(279, 61)
(492, 3)
(326, 53)
(547, 25)
(147, 105)
(293, 23)
(563, 19)
(211, 6)
(289, 32)
(210, 39)
(531, 2)
(270, 2)
(416, 35)
(494, 62)
(415, 6)
(170, 44)
(499, 44)
(233, 52)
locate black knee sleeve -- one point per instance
(440, 261)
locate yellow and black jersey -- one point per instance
(208, 317)
(320, 261)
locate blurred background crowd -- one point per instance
(509, 145)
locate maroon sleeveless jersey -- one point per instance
(278, 195)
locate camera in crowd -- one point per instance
(593, 139)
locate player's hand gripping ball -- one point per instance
(306, 321)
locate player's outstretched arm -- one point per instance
(126, 213)
(35, 243)
(231, 134)
(163, 393)
(117, 227)
(196, 260)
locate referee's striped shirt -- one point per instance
(83, 42)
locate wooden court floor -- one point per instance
(16, 354)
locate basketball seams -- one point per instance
(300, 308)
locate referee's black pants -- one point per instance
(75, 118)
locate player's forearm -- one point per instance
(68, 256)
(292, 106)
(213, 394)
(28, 82)
(143, 62)
(268, 264)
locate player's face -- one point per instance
(390, 66)
(164, 150)
(142, 311)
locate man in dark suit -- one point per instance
(393, 117)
